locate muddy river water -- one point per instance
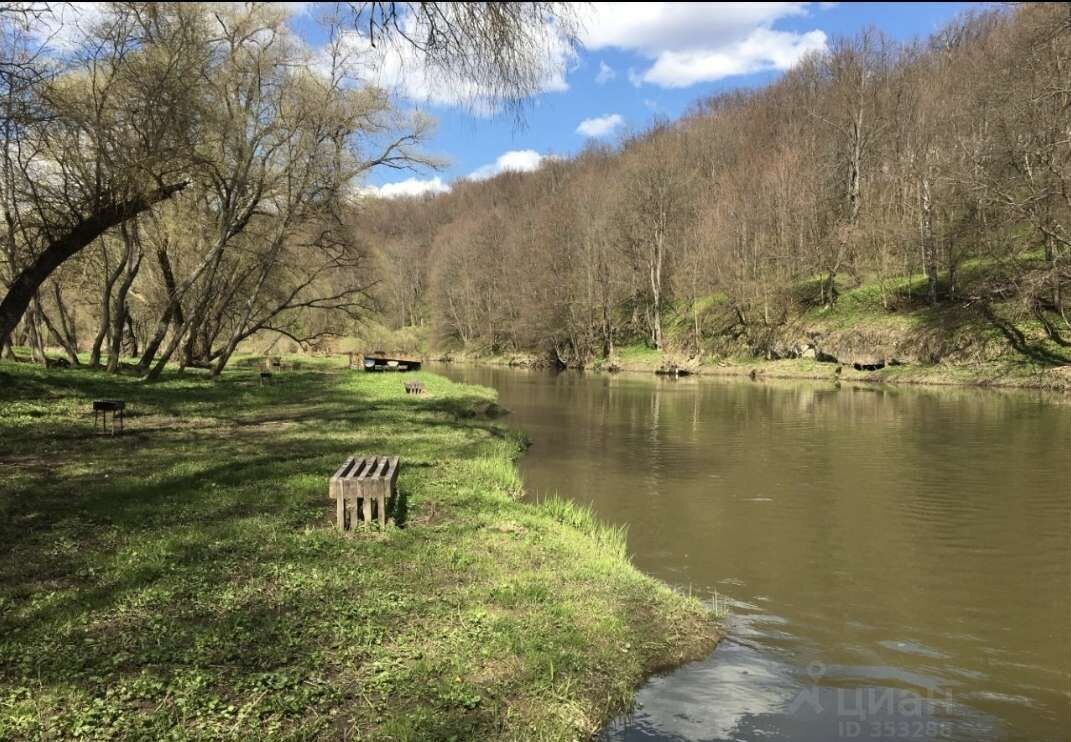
(896, 562)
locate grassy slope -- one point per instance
(185, 579)
(984, 356)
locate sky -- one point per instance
(637, 63)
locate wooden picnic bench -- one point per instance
(414, 387)
(361, 483)
(101, 408)
(265, 378)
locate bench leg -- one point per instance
(381, 503)
(354, 505)
(367, 510)
(340, 512)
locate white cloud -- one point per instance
(689, 43)
(408, 187)
(65, 26)
(600, 126)
(518, 160)
(606, 73)
(764, 49)
(399, 67)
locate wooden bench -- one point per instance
(361, 483)
(414, 387)
(101, 408)
(265, 378)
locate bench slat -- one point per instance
(342, 469)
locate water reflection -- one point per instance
(896, 558)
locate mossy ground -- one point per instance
(185, 580)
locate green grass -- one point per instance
(612, 540)
(638, 353)
(185, 580)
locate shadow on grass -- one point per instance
(177, 519)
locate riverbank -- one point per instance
(1007, 375)
(1011, 375)
(874, 333)
(188, 573)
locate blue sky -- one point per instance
(655, 60)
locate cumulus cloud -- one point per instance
(399, 67)
(606, 73)
(408, 187)
(517, 160)
(600, 126)
(764, 49)
(689, 43)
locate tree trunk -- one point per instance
(58, 336)
(132, 260)
(237, 336)
(29, 280)
(110, 277)
(68, 336)
(929, 258)
(656, 291)
(130, 339)
(212, 259)
(37, 341)
(855, 166)
(173, 311)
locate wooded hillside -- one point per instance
(922, 191)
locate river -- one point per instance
(896, 562)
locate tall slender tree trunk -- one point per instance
(37, 340)
(119, 316)
(172, 312)
(929, 248)
(110, 277)
(656, 288)
(67, 325)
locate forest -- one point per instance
(179, 183)
(921, 192)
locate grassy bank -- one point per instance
(1012, 374)
(185, 579)
(955, 342)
